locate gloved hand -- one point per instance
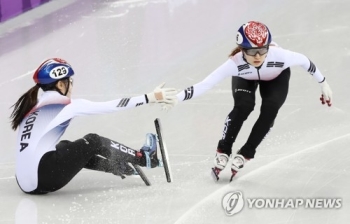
(326, 96)
(162, 95)
(168, 106)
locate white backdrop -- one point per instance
(126, 48)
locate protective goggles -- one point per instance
(254, 51)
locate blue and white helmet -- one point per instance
(52, 70)
(253, 35)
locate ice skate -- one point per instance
(149, 151)
(220, 162)
(149, 159)
(165, 163)
(237, 164)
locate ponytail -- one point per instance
(23, 105)
(235, 51)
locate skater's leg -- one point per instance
(122, 155)
(274, 94)
(57, 168)
(243, 92)
(147, 156)
(99, 163)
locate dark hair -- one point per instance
(23, 105)
(26, 102)
(235, 51)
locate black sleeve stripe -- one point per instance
(312, 68)
(123, 102)
(242, 67)
(279, 64)
(275, 64)
(188, 93)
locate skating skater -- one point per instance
(256, 61)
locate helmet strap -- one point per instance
(244, 59)
(59, 91)
(66, 85)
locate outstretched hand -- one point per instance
(167, 106)
(326, 97)
(163, 95)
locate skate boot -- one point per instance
(149, 152)
(237, 164)
(220, 162)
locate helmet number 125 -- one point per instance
(58, 72)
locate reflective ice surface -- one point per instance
(126, 48)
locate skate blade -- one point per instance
(163, 151)
(233, 175)
(139, 173)
(214, 175)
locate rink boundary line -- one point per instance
(262, 168)
(7, 178)
(18, 77)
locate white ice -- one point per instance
(126, 48)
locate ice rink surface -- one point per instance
(126, 48)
